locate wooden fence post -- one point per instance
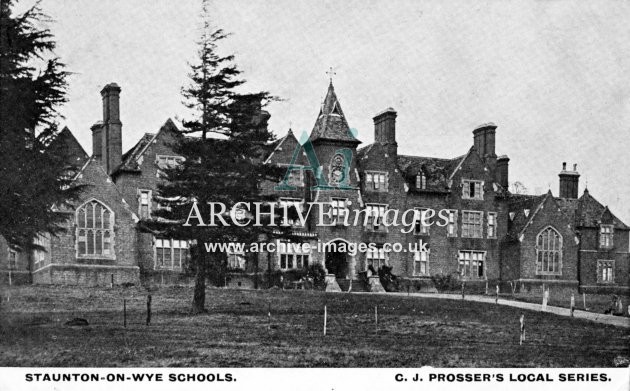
(148, 310)
(584, 301)
(325, 315)
(496, 300)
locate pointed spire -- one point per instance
(331, 123)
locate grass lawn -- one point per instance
(237, 331)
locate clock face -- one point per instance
(337, 170)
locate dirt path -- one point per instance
(619, 321)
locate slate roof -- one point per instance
(130, 158)
(273, 146)
(584, 212)
(587, 212)
(331, 123)
(66, 141)
(437, 171)
(522, 208)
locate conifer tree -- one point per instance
(35, 177)
(223, 147)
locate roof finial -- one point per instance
(330, 74)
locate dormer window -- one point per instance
(606, 236)
(421, 181)
(472, 190)
(165, 162)
(376, 180)
(290, 207)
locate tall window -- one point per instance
(549, 252)
(236, 260)
(606, 236)
(95, 230)
(376, 180)
(376, 213)
(472, 224)
(472, 190)
(421, 263)
(170, 253)
(421, 223)
(421, 181)
(492, 225)
(605, 272)
(471, 263)
(376, 257)
(293, 206)
(451, 227)
(39, 254)
(144, 204)
(339, 209)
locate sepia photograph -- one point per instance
(435, 189)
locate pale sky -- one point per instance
(553, 75)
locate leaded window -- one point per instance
(95, 230)
(549, 252)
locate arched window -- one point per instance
(95, 230)
(549, 252)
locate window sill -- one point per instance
(167, 269)
(92, 257)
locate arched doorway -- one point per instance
(337, 258)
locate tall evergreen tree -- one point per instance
(34, 176)
(223, 147)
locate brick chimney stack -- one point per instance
(97, 140)
(385, 130)
(502, 171)
(112, 128)
(484, 136)
(569, 182)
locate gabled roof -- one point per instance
(66, 141)
(331, 123)
(437, 171)
(131, 157)
(587, 212)
(276, 145)
(522, 208)
(99, 170)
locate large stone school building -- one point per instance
(490, 234)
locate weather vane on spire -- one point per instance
(331, 73)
